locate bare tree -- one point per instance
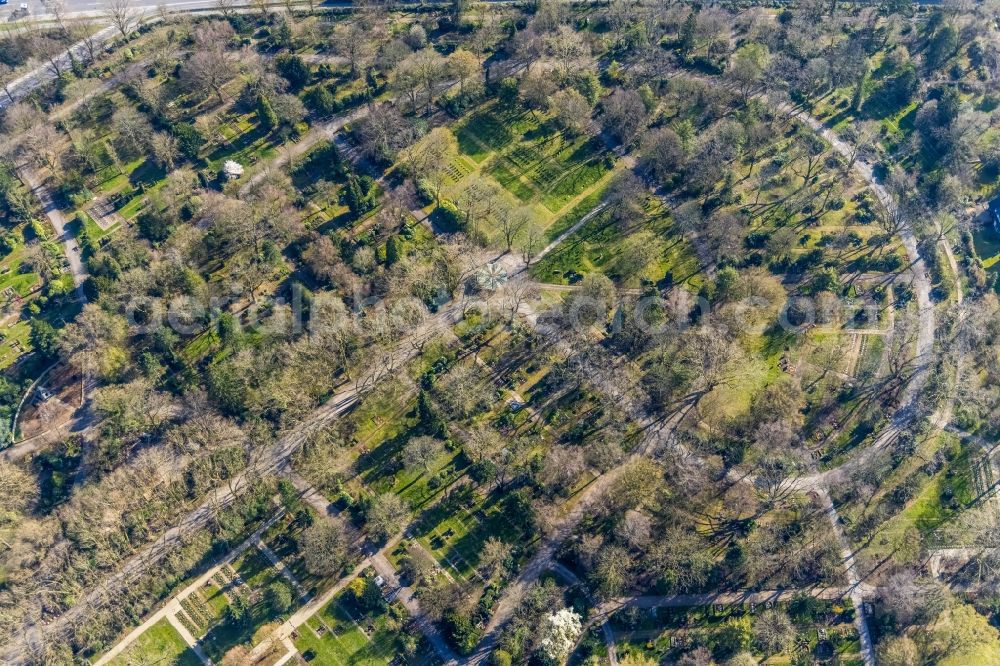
(50, 49)
(512, 224)
(352, 42)
(88, 29)
(57, 8)
(165, 149)
(123, 16)
(226, 7)
(41, 141)
(260, 6)
(208, 70)
(6, 76)
(516, 293)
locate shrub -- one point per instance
(449, 215)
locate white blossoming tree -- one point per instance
(560, 631)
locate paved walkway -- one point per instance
(405, 595)
(34, 182)
(191, 641)
(170, 609)
(23, 86)
(380, 563)
(282, 569)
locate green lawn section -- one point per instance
(669, 632)
(455, 535)
(248, 144)
(595, 246)
(341, 633)
(216, 599)
(257, 573)
(160, 644)
(531, 157)
(987, 243)
(577, 213)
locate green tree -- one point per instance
(44, 338)
(962, 631)
(266, 116)
(366, 594)
(386, 516)
(502, 658)
(189, 139)
(898, 651)
(429, 418)
(393, 250)
(279, 596)
(290, 497)
(294, 70)
(942, 46)
(358, 194)
(321, 101)
(727, 282)
(507, 93)
(229, 330)
(238, 612)
(282, 37)
(732, 637)
(688, 35)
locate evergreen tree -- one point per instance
(392, 250)
(507, 92)
(688, 34)
(430, 421)
(283, 36)
(320, 101)
(266, 116)
(359, 194)
(294, 70)
(354, 197)
(76, 66)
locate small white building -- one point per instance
(232, 170)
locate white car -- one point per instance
(24, 6)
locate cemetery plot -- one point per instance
(160, 644)
(359, 628)
(821, 630)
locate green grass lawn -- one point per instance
(987, 243)
(939, 500)
(455, 536)
(595, 247)
(531, 157)
(669, 632)
(21, 283)
(93, 230)
(255, 569)
(249, 144)
(160, 644)
(257, 573)
(339, 635)
(216, 599)
(574, 215)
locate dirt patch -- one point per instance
(51, 403)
